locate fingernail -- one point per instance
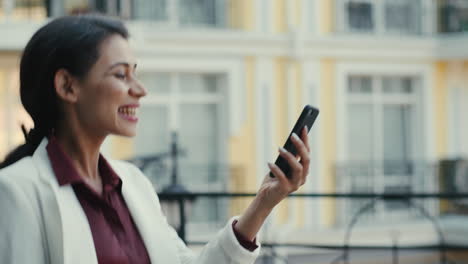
(281, 149)
(295, 136)
(307, 129)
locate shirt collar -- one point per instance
(66, 172)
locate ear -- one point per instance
(65, 87)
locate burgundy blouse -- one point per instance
(116, 237)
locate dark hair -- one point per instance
(71, 43)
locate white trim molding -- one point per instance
(311, 83)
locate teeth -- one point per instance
(131, 111)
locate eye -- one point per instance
(121, 76)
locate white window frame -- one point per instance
(232, 68)
(230, 124)
(173, 100)
(424, 74)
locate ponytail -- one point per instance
(32, 140)
(71, 43)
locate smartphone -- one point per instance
(307, 118)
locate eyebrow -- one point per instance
(126, 64)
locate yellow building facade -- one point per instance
(386, 97)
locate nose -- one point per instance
(137, 89)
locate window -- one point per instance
(190, 104)
(383, 140)
(360, 16)
(381, 16)
(453, 16)
(402, 16)
(210, 13)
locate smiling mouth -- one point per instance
(128, 113)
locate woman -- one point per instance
(62, 201)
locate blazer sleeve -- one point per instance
(224, 248)
(21, 239)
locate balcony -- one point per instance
(417, 232)
(389, 177)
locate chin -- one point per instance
(125, 133)
(131, 134)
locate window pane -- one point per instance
(152, 130)
(360, 16)
(397, 139)
(199, 136)
(360, 84)
(201, 12)
(359, 171)
(200, 167)
(156, 83)
(197, 83)
(397, 85)
(360, 135)
(453, 16)
(402, 16)
(150, 10)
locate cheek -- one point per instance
(101, 102)
(111, 95)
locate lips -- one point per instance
(128, 112)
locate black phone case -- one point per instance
(307, 118)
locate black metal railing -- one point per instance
(388, 176)
(177, 199)
(442, 246)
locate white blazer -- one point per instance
(42, 222)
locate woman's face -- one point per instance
(109, 95)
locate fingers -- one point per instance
(279, 174)
(305, 137)
(296, 166)
(299, 168)
(302, 149)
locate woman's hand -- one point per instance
(274, 190)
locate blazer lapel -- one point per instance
(148, 220)
(67, 225)
(68, 233)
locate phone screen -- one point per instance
(307, 118)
